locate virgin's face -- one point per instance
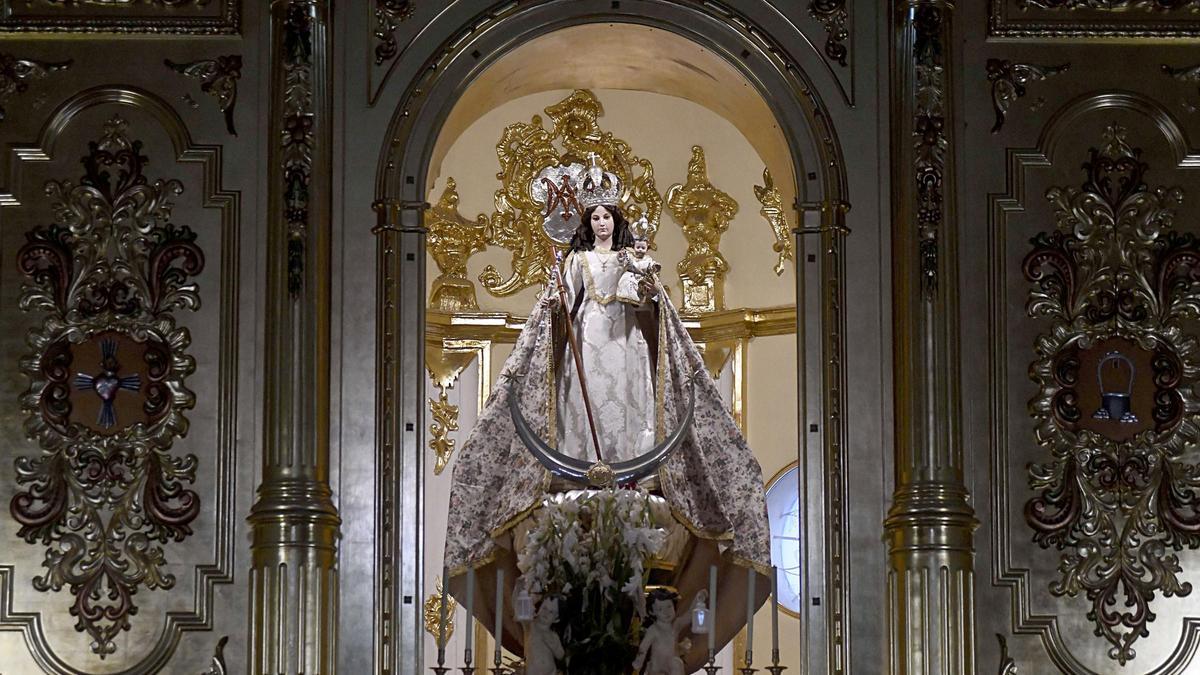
(602, 224)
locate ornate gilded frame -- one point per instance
(221, 568)
(401, 399)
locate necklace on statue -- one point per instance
(603, 261)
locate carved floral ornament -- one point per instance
(1115, 405)
(107, 394)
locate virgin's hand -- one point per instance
(648, 288)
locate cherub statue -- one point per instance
(543, 648)
(660, 647)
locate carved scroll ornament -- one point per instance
(703, 213)
(525, 151)
(218, 78)
(107, 394)
(771, 200)
(1008, 83)
(1115, 404)
(452, 240)
(16, 74)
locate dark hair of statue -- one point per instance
(585, 240)
(654, 596)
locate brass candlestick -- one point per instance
(775, 668)
(712, 667)
(440, 669)
(747, 670)
(467, 668)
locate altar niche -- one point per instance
(705, 181)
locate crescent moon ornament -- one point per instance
(600, 474)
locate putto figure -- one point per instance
(660, 647)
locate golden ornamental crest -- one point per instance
(529, 150)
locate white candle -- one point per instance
(442, 610)
(750, 579)
(499, 611)
(712, 609)
(774, 608)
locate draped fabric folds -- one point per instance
(712, 482)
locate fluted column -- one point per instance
(293, 616)
(931, 523)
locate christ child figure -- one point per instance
(660, 647)
(639, 282)
(543, 648)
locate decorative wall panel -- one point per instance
(1093, 19)
(186, 17)
(1092, 489)
(121, 501)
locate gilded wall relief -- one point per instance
(1008, 83)
(445, 420)
(930, 142)
(1115, 405)
(389, 14)
(107, 396)
(218, 78)
(17, 73)
(297, 136)
(703, 213)
(525, 151)
(451, 241)
(833, 15)
(1093, 19)
(771, 200)
(184, 17)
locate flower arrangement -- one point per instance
(589, 549)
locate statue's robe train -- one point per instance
(712, 482)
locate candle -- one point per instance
(774, 608)
(750, 579)
(499, 611)
(470, 611)
(712, 609)
(442, 610)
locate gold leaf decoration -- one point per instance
(433, 613)
(452, 240)
(445, 420)
(771, 200)
(703, 212)
(524, 151)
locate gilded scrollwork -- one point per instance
(16, 74)
(771, 200)
(703, 213)
(930, 143)
(1008, 83)
(452, 240)
(219, 79)
(433, 613)
(154, 17)
(107, 394)
(1184, 74)
(445, 420)
(1111, 5)
(297, 135)
(389, 14)
(833, 15)
(527, 149)
(218, 667)
(1116, 404)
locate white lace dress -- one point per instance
(616, 362)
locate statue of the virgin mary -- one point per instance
(645, 381)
